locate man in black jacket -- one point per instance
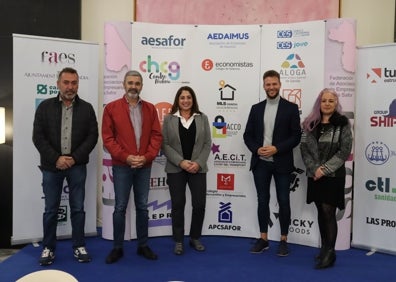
(65, 131)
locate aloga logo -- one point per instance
(160, 72)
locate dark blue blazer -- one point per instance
(286, 135)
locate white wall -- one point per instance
(375, 19)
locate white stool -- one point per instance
(48, 276)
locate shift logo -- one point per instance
(62, 214)
(225, 181)
(384, 118)
(225, 212)
(377, 153)
(161, 72)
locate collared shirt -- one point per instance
(66, 127)
(271, 109)
(188, 122)
(135, 114)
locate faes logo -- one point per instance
(225, 181)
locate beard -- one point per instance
(133, 93)
(272, 97)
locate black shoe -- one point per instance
(146, 252)
(328, 259)
(321, 254)
(197, 245)
(259, 246)
(115, 255)
(283, 249)
(47, 257)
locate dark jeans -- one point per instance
(52, 188)
(262, 174)
(177, 187)
(124, 179)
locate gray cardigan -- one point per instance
(331, 150)
(172, 148)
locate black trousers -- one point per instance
(177, 187)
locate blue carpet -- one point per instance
(226, 259)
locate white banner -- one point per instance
(37, 61)
(374, 222)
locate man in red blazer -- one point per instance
(131, 133)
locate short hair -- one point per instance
(133, 73)
(271, 73)
(194, 107)
(67, 70)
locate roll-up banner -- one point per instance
(36, 63)
(374, 222)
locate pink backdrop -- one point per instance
(234, 11)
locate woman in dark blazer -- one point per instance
(186, 145)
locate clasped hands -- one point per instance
(318, 173)
(136, 161)
(189, 166)
(267, 151)
(64, 162)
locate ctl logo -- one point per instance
(225, 181)
(225, 212)
(381, 185)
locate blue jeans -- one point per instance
(124, 179)
(52, 189)
(262, 174)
